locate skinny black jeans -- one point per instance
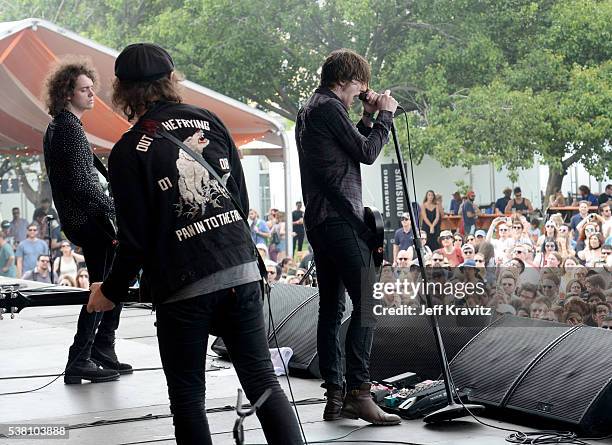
(95, 329)
(236, 315)
(343, 262)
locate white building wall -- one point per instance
(483, 179)
(250, 167)
(430, 175)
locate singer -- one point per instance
(331, 149)
(85, 213)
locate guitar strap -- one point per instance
(100, 166)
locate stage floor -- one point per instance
(34, 347)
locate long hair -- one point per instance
(549, 240)
(61, 81)
(344, 65)
(135, 97)
(487, 250)
(427, 193)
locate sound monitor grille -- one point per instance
(488, 367)
(569, 378)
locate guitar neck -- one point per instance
(51, 298)
(13, 300)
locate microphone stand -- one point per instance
(452, 410)
(243, 413)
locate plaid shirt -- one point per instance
(331, 148)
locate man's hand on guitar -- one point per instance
(97, 301)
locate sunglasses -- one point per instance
(446, 237)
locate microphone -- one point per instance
(363, 98)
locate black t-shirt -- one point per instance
(295, 215)
(603, 198)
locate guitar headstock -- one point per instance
(12, 301)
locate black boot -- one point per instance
(358, 404)
(88, 370)
(105, 356)
(334, 403)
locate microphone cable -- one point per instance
(80, 353)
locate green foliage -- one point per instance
(486, 80)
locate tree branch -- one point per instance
(566, 163)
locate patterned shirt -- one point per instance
(331, 149)
(76, 188)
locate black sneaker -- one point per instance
(106, 357)
(88, 370)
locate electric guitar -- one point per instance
(374, 220)
(16, 295)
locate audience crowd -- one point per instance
(556, 268)
(38, 251)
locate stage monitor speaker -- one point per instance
(549, 370)
(400, 344)
(407, 343)
(295, 312)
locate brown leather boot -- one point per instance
(358, 404)
(334, 404)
